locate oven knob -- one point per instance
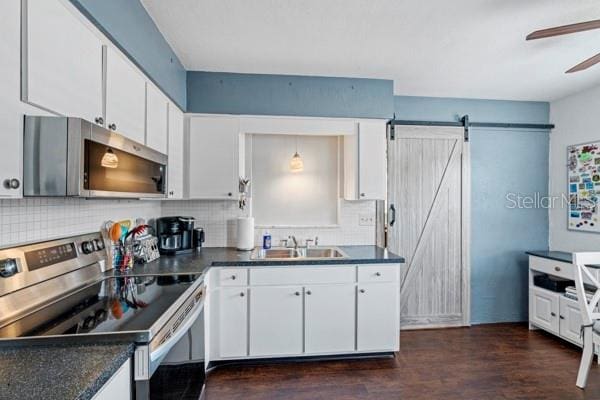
(98, 244)
(8, 267)
(87, 247)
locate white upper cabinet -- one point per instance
(11, 117)
(215, 161)
(157, 107)
(365, 162)
(175, 152)
(62, 61)
(125, 97)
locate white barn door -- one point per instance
(428, 186)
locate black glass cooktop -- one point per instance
(113, 305)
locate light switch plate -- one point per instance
(366, 220)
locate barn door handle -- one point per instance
(392, 215)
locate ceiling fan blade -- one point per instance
(564, 30)
(585, 64)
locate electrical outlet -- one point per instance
(366, 220)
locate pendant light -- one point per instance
(296, 163)
(109, 159)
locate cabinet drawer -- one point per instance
(302, 275)
(233, 277)
(557, 268)
(378, 273)
(551, 267)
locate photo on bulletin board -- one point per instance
(583, 165)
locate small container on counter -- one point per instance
(266, 245)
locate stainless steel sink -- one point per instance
(284, 253)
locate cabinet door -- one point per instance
(156, 119)
(570, 320)
(11, 114)
(275, 321)
(175, 167)
(544, 309)
(233, 322)
(62, 61)
(377, 315)
(214, 158)
(118, 386)
(372, 164)
(125, 97)
(329, 318)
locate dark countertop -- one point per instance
(562, 256)
(78, 371)
(59, 372)
(198, 262)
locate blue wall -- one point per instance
(229, 93)
(130, 27)
(502, 161)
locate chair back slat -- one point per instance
(581, 262)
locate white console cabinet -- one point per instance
(302, 310)
(549, 310)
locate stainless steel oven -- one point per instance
(73, 157)
(60, 292)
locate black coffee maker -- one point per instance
(175, 235)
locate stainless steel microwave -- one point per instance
(73, 157)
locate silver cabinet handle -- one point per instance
(242, 294)
(112, 127)
(297, 293)
(13, 183)
(99, 120)
(362, 290)
(308, 292)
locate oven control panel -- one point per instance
(44, 257)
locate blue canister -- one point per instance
(266, 241)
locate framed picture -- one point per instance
(583, 169)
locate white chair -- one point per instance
(591, 318)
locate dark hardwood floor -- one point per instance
(500, 361)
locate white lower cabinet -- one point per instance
(377, 317)
(275, 320)
(544, 309)
(118, 386)
(233, 322)
(290, 311)
(570, 320)
(329, 318)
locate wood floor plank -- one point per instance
(498, 361)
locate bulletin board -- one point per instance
(583, 165)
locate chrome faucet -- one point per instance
(293, 239)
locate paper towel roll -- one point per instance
(245, 233)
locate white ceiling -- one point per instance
(446, 48)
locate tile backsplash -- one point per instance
(37, 219)
(218, 218)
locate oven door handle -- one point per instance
(164, 348)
